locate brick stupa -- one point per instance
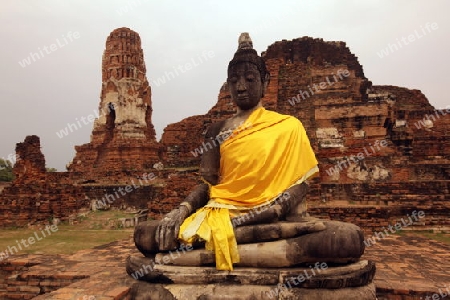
(123, 137)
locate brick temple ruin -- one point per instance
(383, 151)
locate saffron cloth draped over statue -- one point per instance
(258, 163)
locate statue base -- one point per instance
(300, 259)
(236, 291)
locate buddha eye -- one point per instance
(232, 79)
(250, 77)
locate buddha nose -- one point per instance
(241, 86)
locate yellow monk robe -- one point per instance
(257, 163)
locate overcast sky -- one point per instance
(63, 84)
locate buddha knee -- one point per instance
(144, 237)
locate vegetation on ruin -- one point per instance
(6, 173)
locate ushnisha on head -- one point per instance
(247, 75)
(246, 53)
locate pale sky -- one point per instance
(63, 84)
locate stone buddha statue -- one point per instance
(250, 210)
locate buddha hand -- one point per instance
(169, 227)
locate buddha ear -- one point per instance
(265, 84)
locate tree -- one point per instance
(6, 173)
(51, 170)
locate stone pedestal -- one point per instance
(314, 259)
(147, 291)
(349, 282)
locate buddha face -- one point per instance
(246, 87)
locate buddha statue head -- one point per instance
(247, 75)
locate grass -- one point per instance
(92, 229)
(440, 237)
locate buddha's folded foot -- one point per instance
(142, 268)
